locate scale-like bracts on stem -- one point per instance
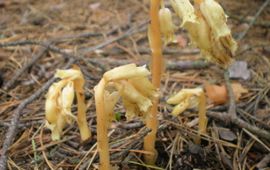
(190, 98)
(130, 83)
(167, 27)
(59, 100)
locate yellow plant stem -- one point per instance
(198, 2)
(202, 117)
(102, 125)
(157, 63)
(81, 118)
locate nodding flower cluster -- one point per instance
(191, 98)
(131, 84)
(206, 24)
(59, 100)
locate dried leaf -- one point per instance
(238, 90)
(226, 134)
(218, 94)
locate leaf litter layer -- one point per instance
(41, 37)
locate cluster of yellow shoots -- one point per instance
(188, 99)
(59, 101)
(206, 24)
(137, 93)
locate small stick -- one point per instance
(232, 106)
(102, 127)
(82, 51)
(264, 162)
(252, 22)
(171, 65)
(18, 73)
(240, 123)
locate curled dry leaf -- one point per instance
(227, 134)
(218, 94)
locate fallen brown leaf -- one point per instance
(218, 94)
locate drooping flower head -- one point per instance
(208, 29)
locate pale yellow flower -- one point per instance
(208, 29)
(191, 98)
(59, 100)
(130, 84)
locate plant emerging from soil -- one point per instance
(206, 24)
(190, 98)
(130, 83)
(59, 100)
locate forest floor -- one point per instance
(37, 37)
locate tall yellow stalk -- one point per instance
(197, 2)
(202, 117)
(102, 127)
(157, 61)
(81, 117)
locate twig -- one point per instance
(185, 65)
(264, 162)
(176, 65)
(257, 139)
(252, 22)
(240, 123)
(257, 23)
(81, 51)
(133, 125)
(18, 73)
(40, 43)
(140, 27)
(232, 106)
(167, 51)
(134, 141)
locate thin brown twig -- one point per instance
(240, 123)
(175, 65)
(264, 162)
(257, 23)
(144, 50)
(140, 27)
(81, 51)
(232, 116)
(9, 84)
(252, 22)
(232, 105)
